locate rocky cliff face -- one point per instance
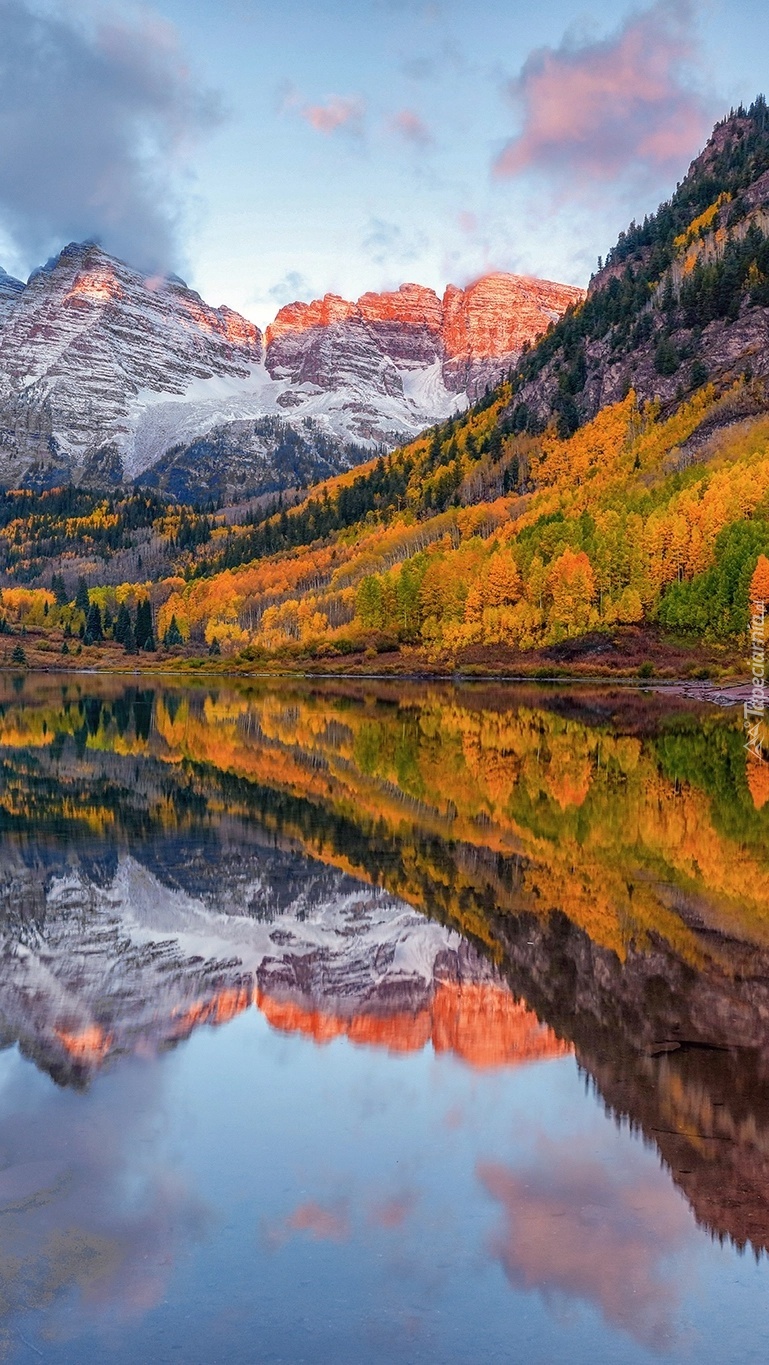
(88, 343)
(472, 335)
(10, 289)
(104, 370)
(486, 326)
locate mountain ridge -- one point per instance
(104, 370)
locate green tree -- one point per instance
(173, 635)
(666, 360)
(82, 600)
(123, 625)
(699, 374)
(408, 587)
(369, 605)
(59, 590)
(94, 631)
(144, 631)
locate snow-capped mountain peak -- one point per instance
(103, 370)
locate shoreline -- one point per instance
(726, 694)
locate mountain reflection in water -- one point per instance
(500, 878)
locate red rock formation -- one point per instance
(499, 312)
(299, 317)
(477, 332)
(413, 305)
(410, 306)
(492, 318)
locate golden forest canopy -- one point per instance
(467, 805)
(617, 481)
(618, 526)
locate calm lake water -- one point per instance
(383, 1023)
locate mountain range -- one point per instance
(605, 505)
(107, 375)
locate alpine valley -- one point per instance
(596, 500)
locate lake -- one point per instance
(384, 1022)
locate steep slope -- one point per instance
(251, 455)
(487, 325)
(103, 371)
(683, 297)
(10, 289)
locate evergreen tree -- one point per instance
(82, 600)
(173, 635)
(59, 590)
(123, 625)
(94, 632)
(699, 374)
(666, 360)
(145, 635)
(18, 656)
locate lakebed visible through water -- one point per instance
(381, 1021)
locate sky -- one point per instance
(274, 151)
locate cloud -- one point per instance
(294, 285)
(97, 119)
(408, 125)
(574, 1227)
(623, 105)
(338, 112)
(386, 243)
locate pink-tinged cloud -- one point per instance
(408, 125)
(314, 1220)
(338, 112)
(576, 1227)
(599, 110)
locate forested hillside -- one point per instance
(614, 490)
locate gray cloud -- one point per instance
(96, 123)
(294, 285)
(386, 243)
(623, 105)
